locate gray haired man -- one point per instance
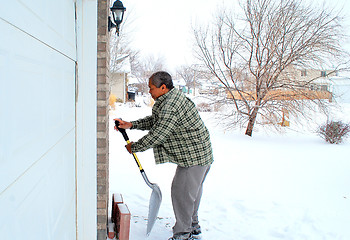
(178, 135)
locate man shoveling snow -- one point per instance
(178, 135)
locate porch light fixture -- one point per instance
(117, 13)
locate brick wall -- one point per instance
(103, 89)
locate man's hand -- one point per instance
(128, 147)
(122, 124)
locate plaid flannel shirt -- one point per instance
(177, 134)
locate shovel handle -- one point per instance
(121, 130)
(126, 138)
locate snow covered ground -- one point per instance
(271, 186)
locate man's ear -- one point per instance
(163, 87)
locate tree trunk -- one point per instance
(251, 122)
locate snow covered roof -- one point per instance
(123, 64)
(179, 82)
(322, 81)
(133, 80)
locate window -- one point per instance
(324, 88)
(323, 74)
(303, 73)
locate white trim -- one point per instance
(86, 105)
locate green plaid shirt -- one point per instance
(177, 134)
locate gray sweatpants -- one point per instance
(186, 193)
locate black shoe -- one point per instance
(197, 233)
(181, 237)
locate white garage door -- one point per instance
(37, 119)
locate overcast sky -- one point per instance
(163, 27)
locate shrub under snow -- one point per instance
(334, 131)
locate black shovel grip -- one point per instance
(121, 130)
(126, 138)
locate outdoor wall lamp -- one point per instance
(117, 13)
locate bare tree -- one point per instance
(122, 45)
(119, 44)
(146, 68)
(257, 57)
(188, 74)
(191, 73)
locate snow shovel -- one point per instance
(156, 196)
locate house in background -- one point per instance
(329, 81)
(119, 77)
(180, 84)
(320, 78)
(312, 84)
(54, 89)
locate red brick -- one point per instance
(101, 143)
(101, 111)
(116, 199)
(101, 204)
(111, 231)
(123, 224)
(101, 46)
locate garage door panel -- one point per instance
(37, 130)
(48, 21)
(43, 193)
(24, 101)
(41, 84)
(29, 207)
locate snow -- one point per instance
(271, 186)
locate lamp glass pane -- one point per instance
(118, 15)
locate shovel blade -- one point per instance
(154, 204)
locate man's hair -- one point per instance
(160, 78)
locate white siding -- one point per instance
(37, 122)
